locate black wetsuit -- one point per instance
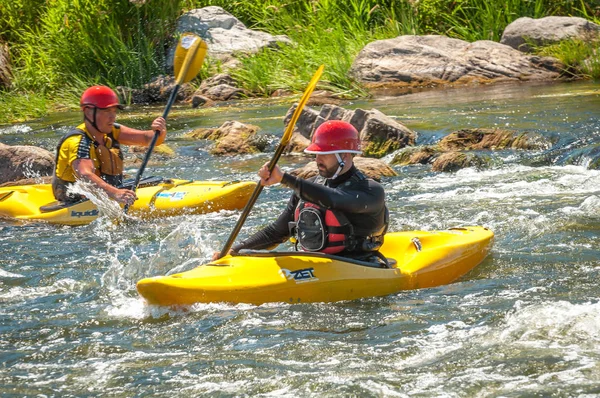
(361, 199)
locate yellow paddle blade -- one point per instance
(287, 134)
(189, 56)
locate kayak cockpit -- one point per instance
(391, 263)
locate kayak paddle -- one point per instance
(189, 56)
(285, 139)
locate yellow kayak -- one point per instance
(164, 197)
(418, 259)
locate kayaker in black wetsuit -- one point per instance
(92, 151)
(340, 211)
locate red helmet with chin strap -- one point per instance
(101, 97)
(334, 136)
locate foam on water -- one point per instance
(15, 129)
(61, 286)
(9, 275)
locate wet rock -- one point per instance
(163, 150)
(224, 92)
(454, 161)
(235, 138)
(525, 33)
(415, 155)
(221, 87)
(372, 168)
(204, 134)
(201, 100)
(298, 143)
(379, 133)
(134, 155)
(482, 138)
(23, 161)
(420, 61)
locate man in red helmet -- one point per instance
(340, 211)
(92, 151)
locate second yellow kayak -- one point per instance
(166, 198)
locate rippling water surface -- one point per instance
(526, 322)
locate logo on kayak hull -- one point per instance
(89, 213)
(300, 276)
(172, 196)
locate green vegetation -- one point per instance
(59, 47)
(580, 58)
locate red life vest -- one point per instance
(323, 230)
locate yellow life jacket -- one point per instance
(80, 144)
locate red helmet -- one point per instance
(334, 136)
(99, 97)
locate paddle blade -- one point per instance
(189, 57)
(287, 134)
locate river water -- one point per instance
(526, 322)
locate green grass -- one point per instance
(60, 47)
(18, 107)
(580, 58)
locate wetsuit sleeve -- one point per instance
(366, 196)
(273, 234)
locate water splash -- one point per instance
(106, 206)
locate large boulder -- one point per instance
(418, 61)
(225, 34)
(379, 133)
(23, 161)
(525, 33)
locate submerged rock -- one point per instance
(454, 161)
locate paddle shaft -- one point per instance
(251, 202)
(285, 139)
(138, 176)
